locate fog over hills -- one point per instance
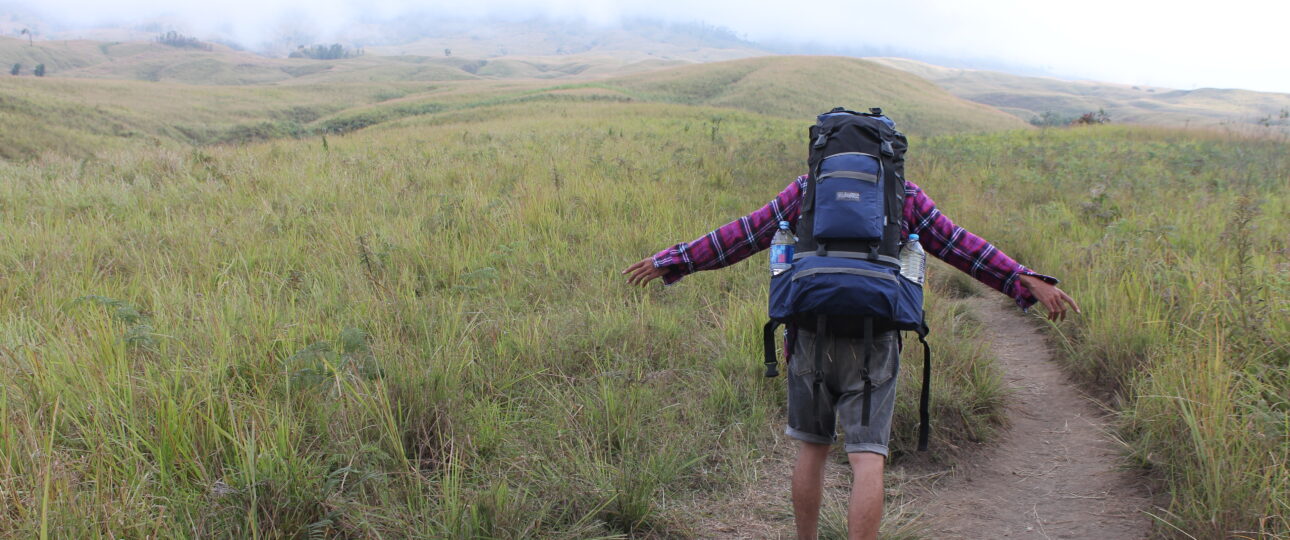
(436, 47)
(1034, 98)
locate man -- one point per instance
(866, 446)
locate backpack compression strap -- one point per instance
(817, 387)
(867, 348)
(924, 421)
(768, 343)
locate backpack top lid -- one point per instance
(874, 112)
(860, 213)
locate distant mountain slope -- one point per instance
(803, 86)
(1030, 97)
(633, 42)
(79, 116)
(147, 61)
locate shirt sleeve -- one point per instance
(734, 241)
(968, 252)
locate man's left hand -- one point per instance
(1054, 300)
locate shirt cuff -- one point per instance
(667, 261)
(1020, 292)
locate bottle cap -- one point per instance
(783, 224)
(913, 237)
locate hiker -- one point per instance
(813, 425)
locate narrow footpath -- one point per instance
(1056, 472)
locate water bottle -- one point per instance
(913, 260)
(781, 250)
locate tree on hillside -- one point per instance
(16, 69)
(1089, 118)
(335, 51)
(1052, 119)
(175, 39)
(28, 32)
(40, 70)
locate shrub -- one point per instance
(1090, 118)
(40, 70)
(1052, 119)
(175, 39)
(335, 51)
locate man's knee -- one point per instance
(867, 462)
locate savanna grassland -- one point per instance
(1176, 244)
(400, 314)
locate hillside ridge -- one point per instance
(1030, 98)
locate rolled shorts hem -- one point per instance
(808, 437)
(853, 448)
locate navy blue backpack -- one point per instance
(846, 265)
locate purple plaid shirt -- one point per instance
(739, 239)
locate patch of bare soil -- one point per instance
(1055, 472)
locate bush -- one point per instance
(335, 51)
(40, 70)
(17, 68)
(1052, 119)
(175, 39)
(1097, 118)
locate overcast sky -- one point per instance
(1176, 43)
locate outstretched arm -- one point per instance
(978, 258)
(727, 245)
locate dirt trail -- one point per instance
(1054, 473)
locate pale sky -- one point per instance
(1177, 43)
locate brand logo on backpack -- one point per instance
(847, 265)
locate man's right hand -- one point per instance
(1054, 300)
(643, 272)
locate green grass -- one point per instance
(1174, 243)
(418, 328)
(382, 337)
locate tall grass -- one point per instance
(416, 331)
(1175, 245)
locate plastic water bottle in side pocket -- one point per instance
(781, 250)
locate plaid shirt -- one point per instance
(741, 238)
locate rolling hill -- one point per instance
(1031, 97)
(79, 116)
(802, 86)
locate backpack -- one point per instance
(846, 266)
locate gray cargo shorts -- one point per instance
(811, 418)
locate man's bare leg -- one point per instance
(808, 488)
(864, 513)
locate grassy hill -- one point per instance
(502, 50)
(260, 340)
(219, 325)
(635, 41)
(263, 339)
(80, 116)
(803, 86)
(1030, 97)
